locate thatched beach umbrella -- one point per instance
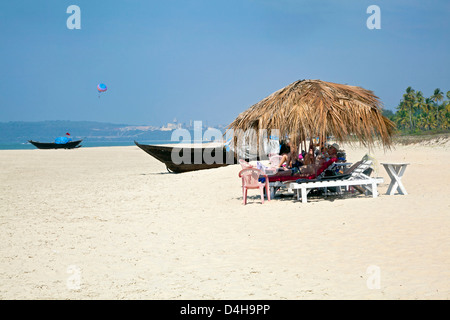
(313, 108)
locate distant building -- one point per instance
(171, 126)
(139, 128)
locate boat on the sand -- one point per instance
(52, 145)
(182, 158)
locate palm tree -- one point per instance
(446, 108)
(418, 106)
(417, 112)
(401, 117)
(437, 96)
(426, 108)
(408, 103)
(422, 122)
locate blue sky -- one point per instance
(208, 60)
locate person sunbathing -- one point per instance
(333, 150)
(310, 157)
(314, 164)
(309, 162)
(291, 158)
(309, 171)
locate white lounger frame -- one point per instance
(358, 178)
(303, 188)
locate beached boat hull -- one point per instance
(52, 145)
(193, 155)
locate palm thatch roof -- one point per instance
(314, 108)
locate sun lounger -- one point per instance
(303, 188)
(354, 177)
(283, 177)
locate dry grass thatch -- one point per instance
(315, 108)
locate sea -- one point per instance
(86, 144)
(10, 142)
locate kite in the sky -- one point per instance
(101, 87)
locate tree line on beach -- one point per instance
(419, 114)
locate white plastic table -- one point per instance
(396, 171)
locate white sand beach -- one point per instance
(112, 223)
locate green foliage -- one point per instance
(388, 114)
(417, 114)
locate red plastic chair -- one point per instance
(245, 164)
(250, 180)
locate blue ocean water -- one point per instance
(86, 144)
(14, 136)
(90, 144)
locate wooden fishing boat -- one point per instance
(193, 158)
(52, 145)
